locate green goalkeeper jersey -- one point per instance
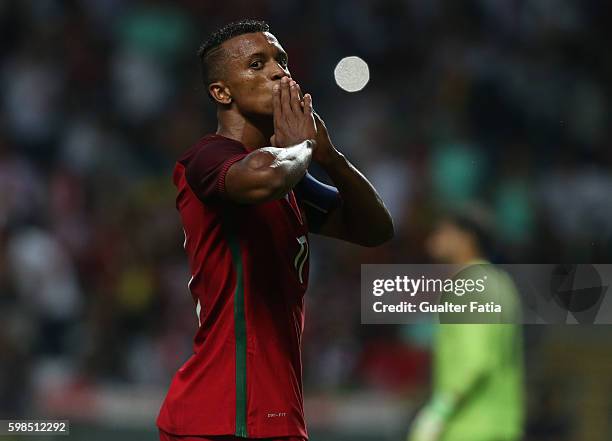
(482, 366)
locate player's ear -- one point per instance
(220, 92)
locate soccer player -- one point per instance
(478, 366)
(247, 205)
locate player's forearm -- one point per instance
(287, 166)
(365, 216)
(267, 173)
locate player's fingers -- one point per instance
(285, 98)
(301, 95)
(308, 104)
(276, 104)
(295, 98)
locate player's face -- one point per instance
(256, 62)
(446, 242)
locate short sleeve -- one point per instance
(317, 199)
(205, 170)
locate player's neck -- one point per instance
(251, 133)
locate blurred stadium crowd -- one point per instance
(502, 102)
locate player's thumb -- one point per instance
(273, 140)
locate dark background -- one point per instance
(504, 102)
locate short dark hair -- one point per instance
(211, 58)
(477, 220)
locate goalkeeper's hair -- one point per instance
(478, 221)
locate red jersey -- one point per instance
(249, 273)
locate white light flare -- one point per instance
(352, 74)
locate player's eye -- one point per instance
(257, 64)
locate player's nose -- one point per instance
(278, 72)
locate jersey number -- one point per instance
(301, 257)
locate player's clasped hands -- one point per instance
(293, 119)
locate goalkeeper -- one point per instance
(478, 368)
